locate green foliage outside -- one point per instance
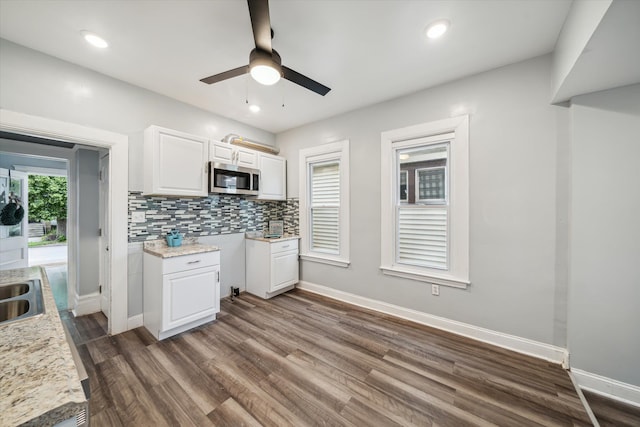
(47, 198)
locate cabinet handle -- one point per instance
(218, 276)
(285, 246)
(193, 262)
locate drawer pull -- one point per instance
(285, 246)
(193, 262)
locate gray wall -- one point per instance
(604, 292)
(41, 85)
(88, 221)
(513, 132)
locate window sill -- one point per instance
(323, 260)
(423, 277)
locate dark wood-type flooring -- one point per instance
(301, 359)
(611, 413)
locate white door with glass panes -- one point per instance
(14, 238)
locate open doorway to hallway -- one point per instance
(44, 189)
(64, 183)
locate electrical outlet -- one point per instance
(138, 216)
(435, 290)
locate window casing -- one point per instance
(324, 204)
(425, 236)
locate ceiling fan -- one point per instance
(265, 64)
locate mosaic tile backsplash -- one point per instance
(207, 216)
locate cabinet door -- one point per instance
(189, 296)
(221, 152)
(246, 158)
(273, 177)
(175, 163)
(284, 269)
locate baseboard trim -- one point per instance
(608, 387)
(135, 321)
(86, 304)
(511, 342)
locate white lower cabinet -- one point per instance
(180, 292)
(272, 267)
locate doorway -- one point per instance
(117, 146)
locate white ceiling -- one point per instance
(365, 51)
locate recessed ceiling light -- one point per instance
(254, 108)
(437, 29)
(94, 39)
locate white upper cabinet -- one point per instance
(174, 163)
(222, 152)
(273, 177)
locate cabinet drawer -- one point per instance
(287, 245)
(189, 262)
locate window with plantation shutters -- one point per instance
(422, 220)
(325, 207)
(425, 202)
(324, 204)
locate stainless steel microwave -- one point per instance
(232, 179)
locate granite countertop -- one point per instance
(189, 246)
(38, 377)
(261, 238)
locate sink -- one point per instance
(20, 300)
(13, 309)
(13, 290)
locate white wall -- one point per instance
(513, 132)
(604, 292)
(41, 85)
(581, 23)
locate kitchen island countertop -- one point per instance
(38, 377)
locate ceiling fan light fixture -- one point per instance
(437, 28)
(264, 67)
(265, 74)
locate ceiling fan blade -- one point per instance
(226, 75)
(304, 81)
(260, 23)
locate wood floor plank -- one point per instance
(206, 392)
(177, 406)
(390, 407)
(360, 414)
(611, 413)
(108, 417)
(244, 389)
(302, 359)
(231, 413)
(130, 399)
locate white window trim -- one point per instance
(322, 153)
(458, 273)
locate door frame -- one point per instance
(118, 146)
(103, 222)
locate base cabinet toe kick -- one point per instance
(180, 292)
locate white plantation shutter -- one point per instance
(422, 236)
(325, 207)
